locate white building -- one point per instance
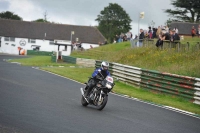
(42, 36)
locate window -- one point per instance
(6, 43)
(13, 45)
(6, 39)
(12, 39)
(51, 42)
(31, 40)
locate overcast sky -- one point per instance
(84, 12)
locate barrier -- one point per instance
(79, 61)
(182, 86)
(177, 45)
(35, 52)
(69, 59)
(85, 62)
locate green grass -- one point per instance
(41, 61)
(191, 40)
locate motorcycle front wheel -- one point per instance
(103, 103)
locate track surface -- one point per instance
(33, 101)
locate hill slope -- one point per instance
(169, 60)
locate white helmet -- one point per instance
(104, 65)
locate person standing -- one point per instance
(141, 37)
(193, 31)
(158, 31)
(174, 37)
(167, 29)
(150, 34)
(176, 30)
(199, 31)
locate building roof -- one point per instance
(37, 30)
(184, 28)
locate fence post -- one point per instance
(188, 44)
(198, 45)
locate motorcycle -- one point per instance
(99, 94)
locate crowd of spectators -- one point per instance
(123, 37)
(161, 33)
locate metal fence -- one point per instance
(177, 45)
(183, 86)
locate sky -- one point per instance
(84, 12)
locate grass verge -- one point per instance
(168, 60)
(41, 61)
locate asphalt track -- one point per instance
(34, 101)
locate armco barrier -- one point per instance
(183, 86)
(197, 89)
(35, 52)
(53, 58)
(69, 59)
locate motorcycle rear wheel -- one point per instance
(103, 104)
(83, 101)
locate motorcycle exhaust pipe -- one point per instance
(82, 92)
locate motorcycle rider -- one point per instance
(99, 73)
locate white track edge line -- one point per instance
(136, 99)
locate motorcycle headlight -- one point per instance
(108, 86)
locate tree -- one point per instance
(9, 15)
(168, 22)
(113, 20)
(186, 10)
(43, 20)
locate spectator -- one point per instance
(129, 36)
(160, 40)
(150, 33)
(125, 38)
(158, 31)
(146, 35)
(116, 38)
(176, 30)
(163, 36)
(136, 37)
(174, 37)
(199, 31)
(167, 29)
(141, 37)
(74, 46)
(154, 32)
(193, 31)
(167, 35)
